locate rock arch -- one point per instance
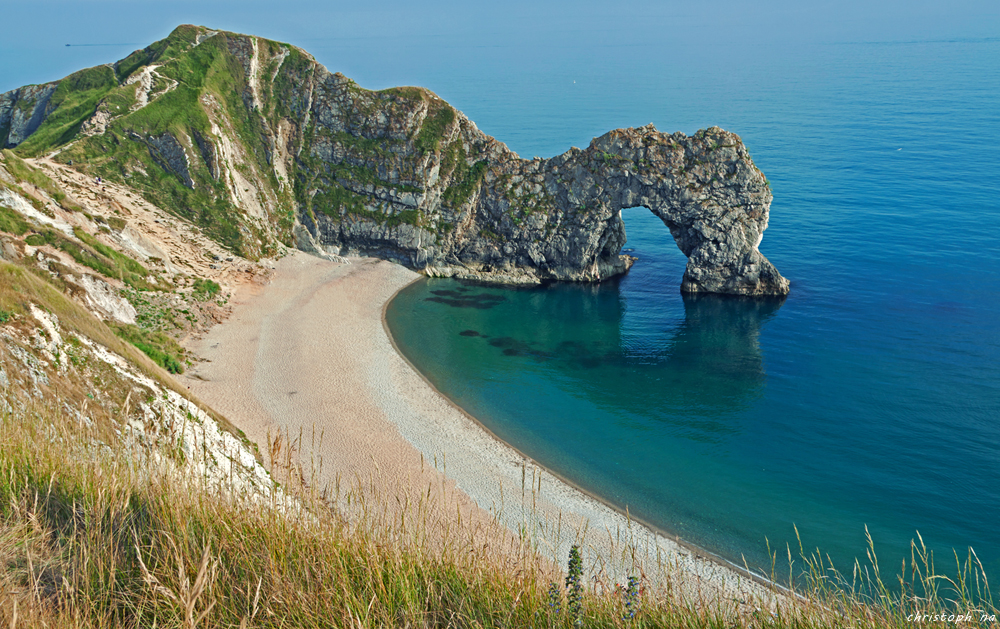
(704, 188)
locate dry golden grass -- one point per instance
(20, 286)
(89, 540)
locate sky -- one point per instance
(404, 42)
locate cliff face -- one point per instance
(22, 111)
(260, 144)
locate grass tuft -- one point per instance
(12, 222)
(205, 289)
(432, 131)
(163, 350)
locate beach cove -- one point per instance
(308, 354)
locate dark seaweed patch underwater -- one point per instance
(456, 299)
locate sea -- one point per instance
(861, 411)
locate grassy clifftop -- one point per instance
(258, 144)
(237, 134)
(147, 121)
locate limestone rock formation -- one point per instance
(170, 155)
(22, 112)
(274, 147)
(704, 188)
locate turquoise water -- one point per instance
(870, 396)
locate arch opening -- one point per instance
(650, 244)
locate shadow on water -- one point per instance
(720, 336)
(695, 372)
(696, 377)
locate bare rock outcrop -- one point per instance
(22, 111)
(170, 155)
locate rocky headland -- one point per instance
(259, 144)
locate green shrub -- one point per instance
(162, 349)
(205, 289)
(433, 128)
(12, 222)
(37, 240)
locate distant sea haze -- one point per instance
(869, 397)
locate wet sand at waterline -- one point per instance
(307, 354)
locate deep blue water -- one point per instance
(870, 396)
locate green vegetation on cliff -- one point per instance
(240, 135)
(73, 102)
(12, 222)
(24, 173)
(95, 255)
(466, 178)
(431, 133)
(193, 81)
(163, 350)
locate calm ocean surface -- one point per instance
(870, 396)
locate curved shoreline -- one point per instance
(310, 352)
(697, 551)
